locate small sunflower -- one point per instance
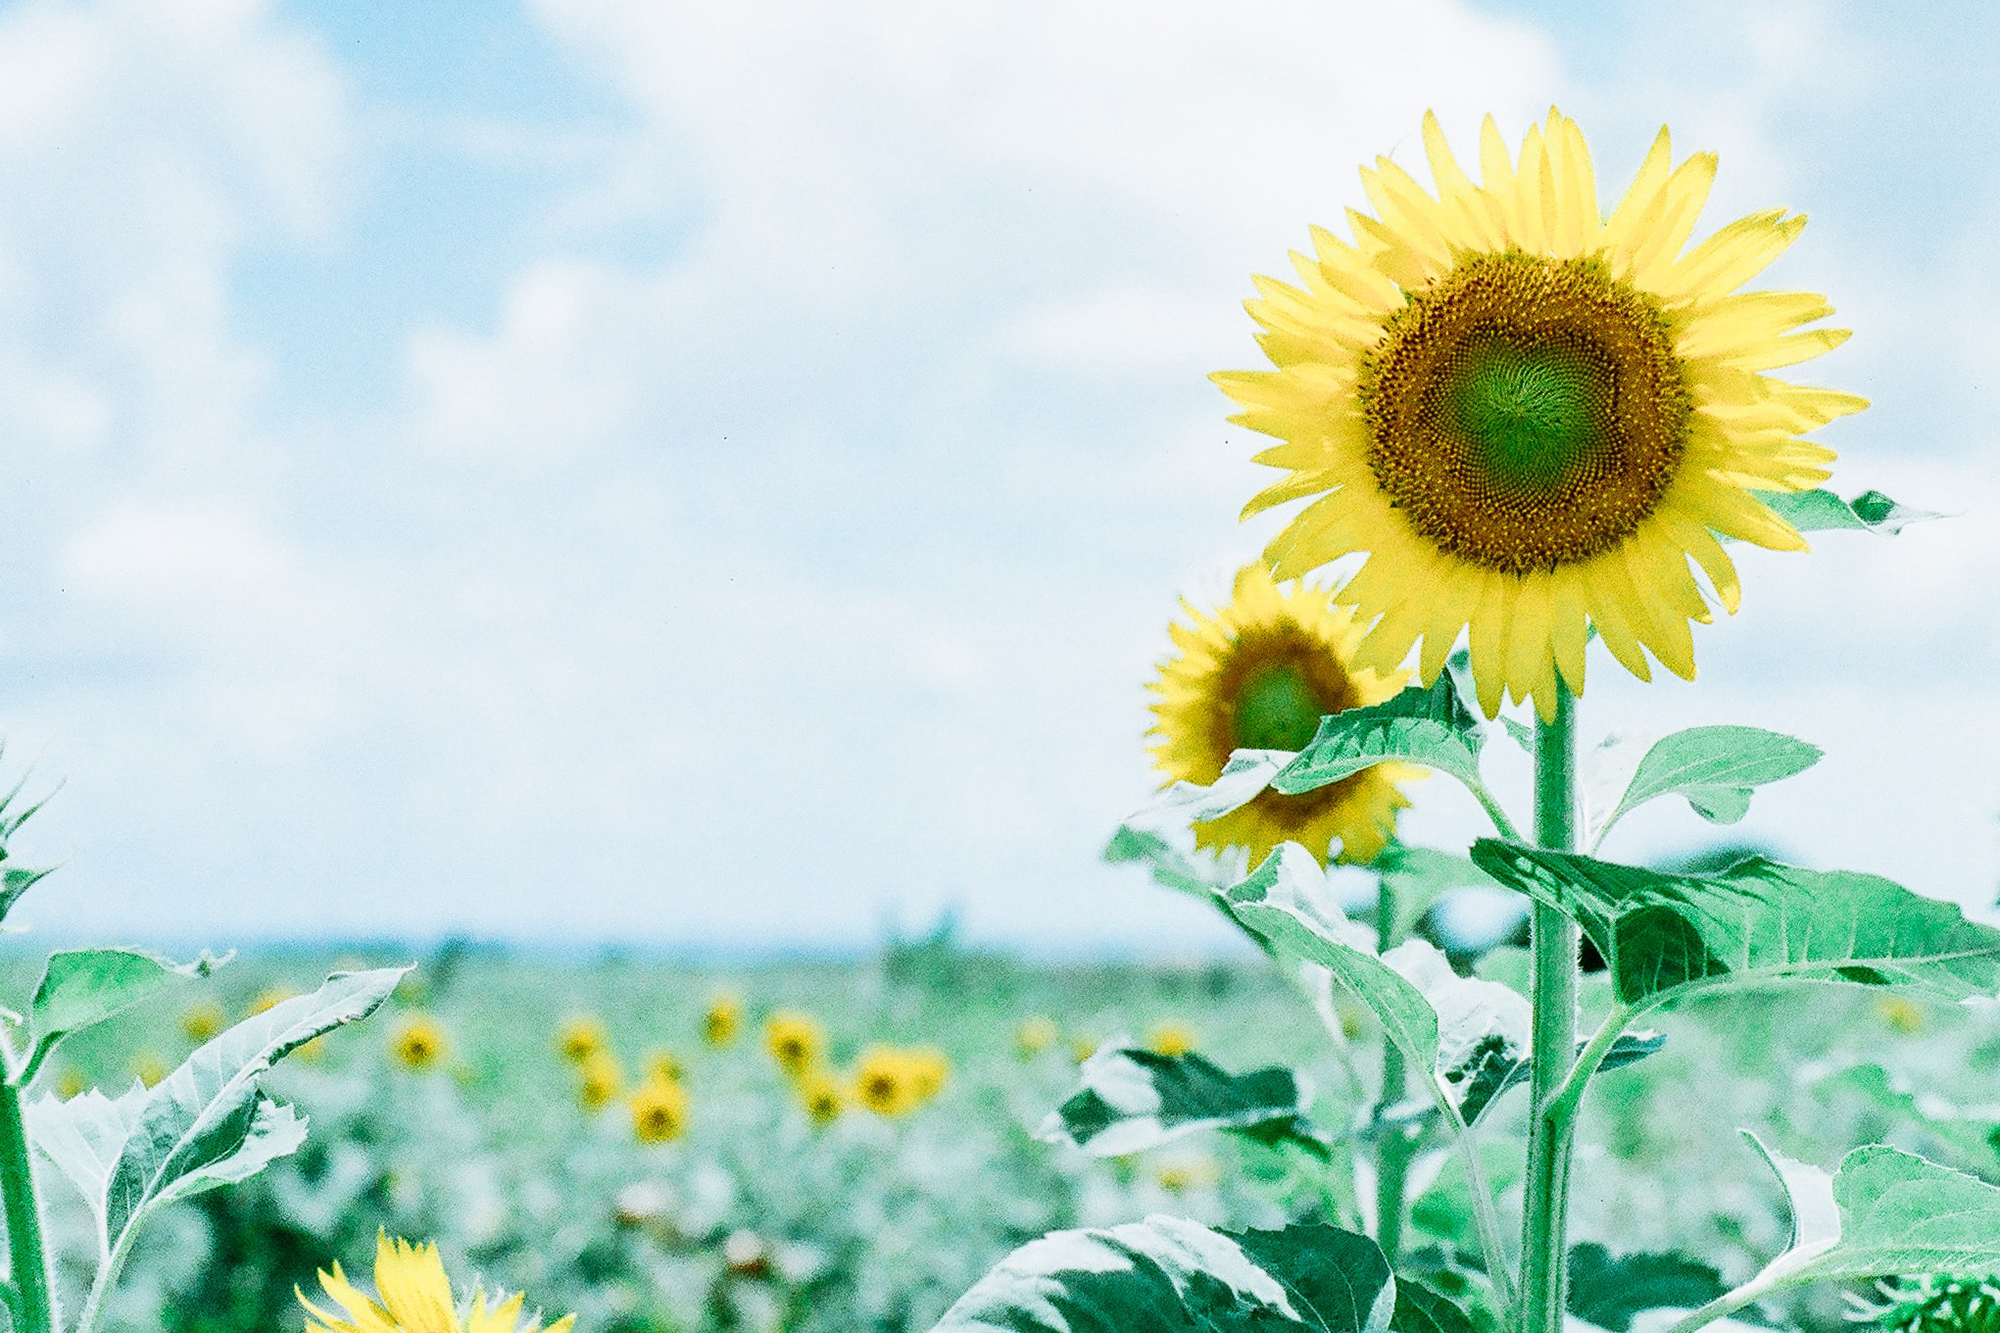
(723, 1019)
(1259, 675)
(1171, 1039)
(795, 1040)
(663, 1066)
(416, 1297)
(149, 1068)
(268, 998)
(599, 1081)
(1036, 1035)
(821, 1096)
(888, 1082)
(931, 1068)
(659, 1111)
(418, 1043)
(1531, 416)
(203, 1021)
(582, 1036)
(71, 1083)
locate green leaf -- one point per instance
(82, 987)
(83, 1137)
(1430, 727)
(1444, 1211)
(1664, 935)
(1169, 1275)
(1497, 1077)
(1450, 1027)
(1885, 1213)
(1823, 511)
(1607, 1292)
(1132, 1100)
(15, 881)
(1715, 768)
(1169, 865)
(206, 1114)
(1184, 804)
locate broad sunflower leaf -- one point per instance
(1132, 1100)
(1884, 1213)
(83, 1137)
(1664, 935)
(1169, 865)
(1451, 1028)
(1431, 727)
(1823, 511)
(83, 987)
(1184, 804)
(1170, 1275)
(1607, 1291)
(208, 1116)
(1715, 768)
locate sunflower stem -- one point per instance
(32, 1308)
(1392, 1145)
(1552, 1124)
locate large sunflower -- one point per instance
(1531, 416)
(1259, 675)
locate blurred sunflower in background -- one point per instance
(418, 1043)
(722, 1019)
(1258, 675)
(202, 1021)
(659, 1111)
(1171, 1039)
(821, 1096)
(795, 1040)
(887, 1082)
(415, 1297)
(1531, 416)
(582, 1036)
(600, 1079)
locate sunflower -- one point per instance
(582, 1036)
(1259, 675)
(659, 1111)
(888, 1082)
(794, 1039)
(723, 1018)
(1171, 1039)
(821, 1096)
(599, 1079)
(415, 1297)
(1530, 416)
(203, 1021)
(418, 1043)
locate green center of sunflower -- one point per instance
(1276, 709)
(1529, 413)
(1526, 413)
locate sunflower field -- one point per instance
(1526, 430)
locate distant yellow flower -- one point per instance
(1904, 1015)
(1259, 674)
(820, 1094)
(582, 1036)
(416, 1297)
(887, 1082)
(663, 1066)
(1083, 1048)
(418, 1043)
(268, 998)
(795, 1040)
(1195, 1173)
(312, 1052)
(149, 1067)
(1171, 1039)
(600, 1081)
(71, 1083)
(659, 1111)
(930, 1068)
(723, 1020)
(1036, 1035)
(203, 1021)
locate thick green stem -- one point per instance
(27, 1256)
(1393, 1145)
(1552, 1122)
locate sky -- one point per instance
(717, 476)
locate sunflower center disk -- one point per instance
(1526, 413)
(1277, 709)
